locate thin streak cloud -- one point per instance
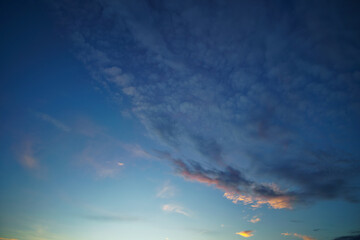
(53, 121)
(175, 208)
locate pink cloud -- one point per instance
(303, 237)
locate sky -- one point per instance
(178, 119)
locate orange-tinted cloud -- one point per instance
(247, 233)
(277, 202)
(303, 237)
(1, 238)
(235, 185)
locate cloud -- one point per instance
(255, 219)
(175, 208)
(1, 238)
(101, 155)
(354, 237)
(56, 123)
(27, 156)
(246, 234)
(303, 237)
(136, 150)
(278, 102)
(112, 218)
(209, 148)
(27, 151)
(166, 191)
(234, 184)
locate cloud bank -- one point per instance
(267, 89)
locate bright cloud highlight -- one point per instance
(246, 234)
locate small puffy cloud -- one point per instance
(247, 233)
(120, 164)
(166, 191)
(175, 208)
(255, 219)
(303, 237)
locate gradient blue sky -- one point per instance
(174, 120)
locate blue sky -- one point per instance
(172, 120)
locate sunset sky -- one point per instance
(179, 120)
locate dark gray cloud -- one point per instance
(233, 182)
(320, 175)
(355, 237)
(210, 148)
(272, 88)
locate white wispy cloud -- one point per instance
(53, 121)
(166, 191)
(175, 208)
